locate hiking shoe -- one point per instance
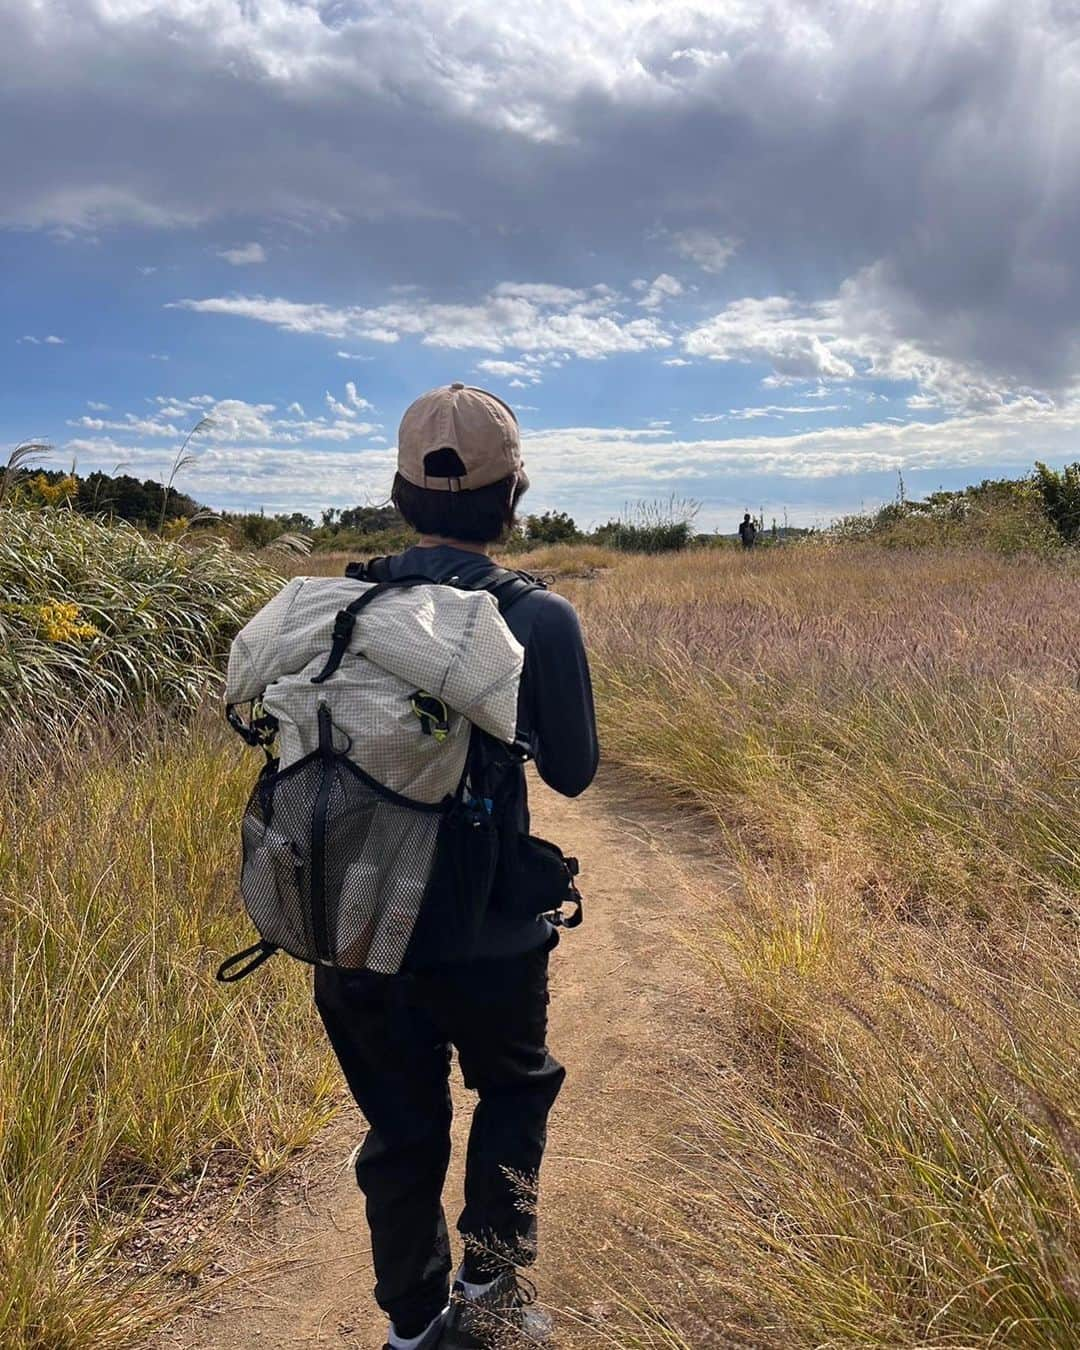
(501, 1316)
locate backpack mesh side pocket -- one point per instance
(339, 870)
(378, 855)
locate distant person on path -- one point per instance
(747, 531)
(460, 476)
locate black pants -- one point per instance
(393, 1038)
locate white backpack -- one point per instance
(374, 835)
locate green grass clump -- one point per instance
(650, 527)
(95, 618)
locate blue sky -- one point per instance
(759, 255)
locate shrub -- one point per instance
(651, 527)
(553, 527)
(1059, 493)
(1037, 514)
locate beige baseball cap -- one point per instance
(478, 426)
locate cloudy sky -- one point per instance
(754, 254)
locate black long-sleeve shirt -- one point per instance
(555, 710)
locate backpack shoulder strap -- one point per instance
(374, 569)
(503, 584)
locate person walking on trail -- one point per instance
(459, 478)
(747, 531)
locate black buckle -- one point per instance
(344, 624)
(560, 918)
(261, 731)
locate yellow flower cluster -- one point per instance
(58, 621)
(53, 493)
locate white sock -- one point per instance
(410, 1342)
(473, 1290)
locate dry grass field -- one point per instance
(885, 1148)
(124, 1068)
(126, 1073)
(890, 746)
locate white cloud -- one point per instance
(528, 328)
(853, 335)
(577, 461)
(541, 293)
(96, 407)
(697, 57)
(243, 255)
(712, 252)
(771, 410)
(504, 369)
(83, 209)
(549, 322)
(253, 457)
(521, 374)
(252, 476)
(132, 425)
(353, 405)
(661, 288)
(50, 341)
(236, 422)
(803, 341)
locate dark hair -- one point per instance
(480, 516)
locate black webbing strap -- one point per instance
(572, 917)
(345, 622)
(560, 918)
(503, 585)
(253, 956)
(506, 586)
(259, 731)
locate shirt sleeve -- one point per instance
(560, 698)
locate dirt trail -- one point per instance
(625, 1011)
